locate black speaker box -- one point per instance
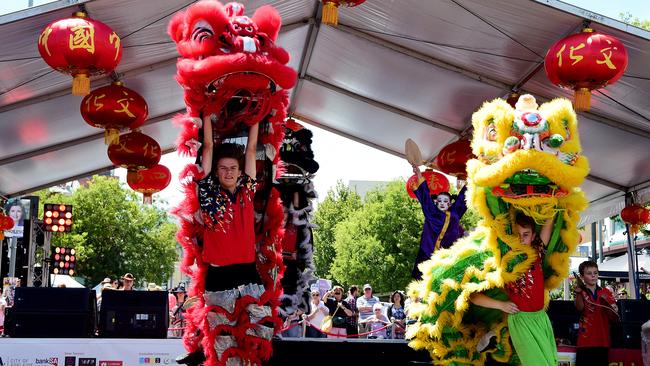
(51, 312)
(634, 310)
(626, 335)
(564, 320)
(134, 314)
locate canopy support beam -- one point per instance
(78, 141)
(480, 77)
(305, 58)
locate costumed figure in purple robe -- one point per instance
(441, 220)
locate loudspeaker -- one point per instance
(134, 314)
(51, 312)
(634, 310)
(626, 335)
(43, 299)
(564, 319)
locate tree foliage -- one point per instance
(635, 21)
(335, 208)
(378, 242)
(114, 233)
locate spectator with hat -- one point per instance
(364, 305)
(177, 311)
(377, 323)
(128, 281)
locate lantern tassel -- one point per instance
(111, 136)
(634, 229)
(147, 198)
(582, 99)
(80, 85)
(330, 14)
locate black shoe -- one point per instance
(195, 358)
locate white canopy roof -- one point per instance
(618, 267)
(391, 70)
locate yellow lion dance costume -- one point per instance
(528, 160)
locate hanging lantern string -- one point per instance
(623, 105)
(82, 8)
(159, 19)
(26, 82)
(498, 29)
(462, 48)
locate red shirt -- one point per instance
(527, 292)
(232, 242)
(594, 324)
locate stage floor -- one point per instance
(138, 352)
(286, 352)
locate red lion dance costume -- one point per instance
(232, 72)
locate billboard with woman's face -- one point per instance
(18, 210)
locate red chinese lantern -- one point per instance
(135, 151)
(114, 107)
(150, 181)
(6, 223)
(331, 9)
(635, 216)
(584, 62)
(81, 47)
(437, 183)
(293, 125)
(452, 159)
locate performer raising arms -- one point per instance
(441, 220)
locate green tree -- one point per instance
(378, 242)
(114, 233)
(635, 21)
(335, 208)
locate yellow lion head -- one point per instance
(526, 151)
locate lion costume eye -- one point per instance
(491, 132)
(202, 31)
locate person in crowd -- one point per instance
(117, 284)
(105, 281)
(441, 220)
(353, 321)
(530, 328)
(596, 306)
(128, 281)
(397, 315)
(621, 294)
(3, 305)
(291, 324)
(317, 312)
(364, 305)
(177, 311)
(339, 310)
(377, 323)
(105, 287)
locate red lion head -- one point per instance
(229, 63)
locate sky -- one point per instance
(343, 159)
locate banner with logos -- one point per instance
(89, 352)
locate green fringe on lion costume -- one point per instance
(528, 160)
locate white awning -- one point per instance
(391, 70)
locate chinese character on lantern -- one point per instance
(80, 46)
(150, 181)
(584, 62)
(114, 107)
